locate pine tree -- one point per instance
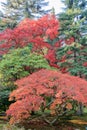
(17, 10)
(3, 23)
(73, 54)
(74, 50)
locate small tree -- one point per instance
(20, 63)
(45, 90)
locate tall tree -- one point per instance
(19, 9)
(2, 25)
(80, 5)
(3, 22)
(73, 52)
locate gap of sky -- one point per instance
(56, 4)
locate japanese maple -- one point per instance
(35, 33)
(33, 94)
(28, 31)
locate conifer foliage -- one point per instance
(73, 54)
(17, 10)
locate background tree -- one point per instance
(72, 54)
(4, 96)
(15, 11)
(3, 25)
(3, 22)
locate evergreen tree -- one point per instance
(19, 9)
(72, 55)
(3, 23)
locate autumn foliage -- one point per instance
(30, 31)
(33, 92)
(42, 90)
(34, 33)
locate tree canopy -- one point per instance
(33, 93)
(15, 11)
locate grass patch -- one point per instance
(7, 126)
(79, 122)
(2, 123)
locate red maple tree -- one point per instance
(33, 32)
(33, 92)
(30, 31)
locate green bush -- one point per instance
(20, 63)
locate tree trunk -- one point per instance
(80, 109)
